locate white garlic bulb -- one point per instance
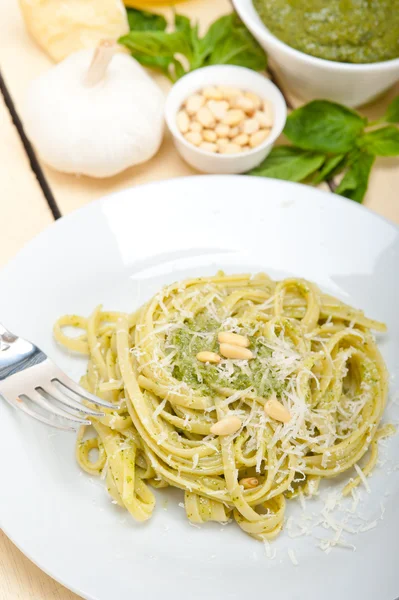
(95, 113)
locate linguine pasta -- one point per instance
(311, 354)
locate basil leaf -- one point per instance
(392, 114)
(158, 45)
(292, 164)
(382, 142)
(331, 165)
(141, 20)
(355, 181)
(227, 41)
(240, 48)
(324, 126)
(219, 30)
(183, 24)
(195, 41)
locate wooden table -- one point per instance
(25, 211)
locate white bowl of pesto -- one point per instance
(350, 83)
(224, 75)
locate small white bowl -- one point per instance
(311, 77)
(240, 77)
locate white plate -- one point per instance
(119, 251)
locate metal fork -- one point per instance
(30, 381)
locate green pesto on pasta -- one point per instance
(313, 354)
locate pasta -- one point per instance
(312, 358)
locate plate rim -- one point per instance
(92, 205)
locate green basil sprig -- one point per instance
(330, 139)
(175, 53)
(392, 114)
(141, 20)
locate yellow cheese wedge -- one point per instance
(146, 4)
(61, 28)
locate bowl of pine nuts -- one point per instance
(224, 118)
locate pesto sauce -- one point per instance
(204, 378)
(353, 31)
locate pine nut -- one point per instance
(195, 126)
(230, 148)
(242, 139)
(208, 147)
(194, 137)
(212, 93)
(210, 357)
(222, 143)
(194, 103)
(183, 121)
(209, 135)
(234, 116)
(229, 91)
(225, 337)
(258, 138)
(268, 110)
(255, 100)
(250, 126)
(231, 351)
(224, 119)
(275, 410)
(205, 117)
(218, 108)
(226, 426)
(263, 119)
(234, 131)
(221, 130)
(243, 102)
(248, 482)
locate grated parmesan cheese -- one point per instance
(363, 478)
(270, 553)
(159, 409)
(292, 557)
(195, 460)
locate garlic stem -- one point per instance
(99, 64)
